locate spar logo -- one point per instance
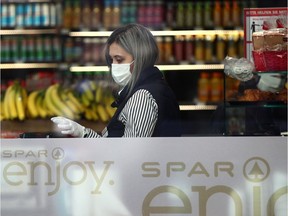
(50, 169)
(255, 171)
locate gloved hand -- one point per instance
(270, 82)
(68, 126)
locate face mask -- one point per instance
(121, 73)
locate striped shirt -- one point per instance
(139, 116)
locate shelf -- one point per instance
(158, 33)
(27, 31)
(264, 104)
(197, 107)
(14, 128)
(179, 67)
(28, 65)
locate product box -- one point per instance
(265, 38)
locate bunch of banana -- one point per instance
(62, 102)
(36, 107)
(13, 105)
(95, 100)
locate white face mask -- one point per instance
(121, 73)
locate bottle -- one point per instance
(4, 15)
(96, 46)
(160, 44)
(86, 16)
(78, 50)
(199, 48)
(220, 47)
(141, 15)
(14, 50)
(39, 49)
(115, 14)
(87, 50)
(149, 14)
(168, 49)
(24, 51)
(4, 49)
(203, 87)
(179, 48)
(45, 15)
(216, 87)
(232, 47)
(30, 50)
(236, 15)
(57, 53)
(207, 14)
(36, 14)
(68, 50)
(53, 15)
(241, 45)
(170, 15)
(107, 15)
(190, 15)
(125, 12)
(217, 13)
(209, 41)
(95, 16)
(133, 12)
(12, 16)
(20, 15)
(158, 21)
(198, 15)
(76, 15)
(180, 15)
(67, 15)
(189, 49)
(226, 14)
(48, 49)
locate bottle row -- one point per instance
(158, 14)
(109, 14)
(30, 15)
(210, 87)
(30, 49)
(172, 49)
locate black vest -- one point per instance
(168, 122)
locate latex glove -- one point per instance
(68, 126)
(270, 82)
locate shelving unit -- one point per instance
(79, 67)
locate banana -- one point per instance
(98, 94)
(55, 103)
(10, 106)
(110, 110)
(2, 114)
(88, 113)
(49, 101)
(87, 90)
(6, 110)
(85, 101)
(40, 105)
(94, 114)
(24, 96)
(70, 104)
(75, 100)
(20, 103)
(101, 111)
(31, 104)
(93, 85)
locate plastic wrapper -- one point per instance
(240, 69)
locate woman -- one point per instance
(146, 106)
